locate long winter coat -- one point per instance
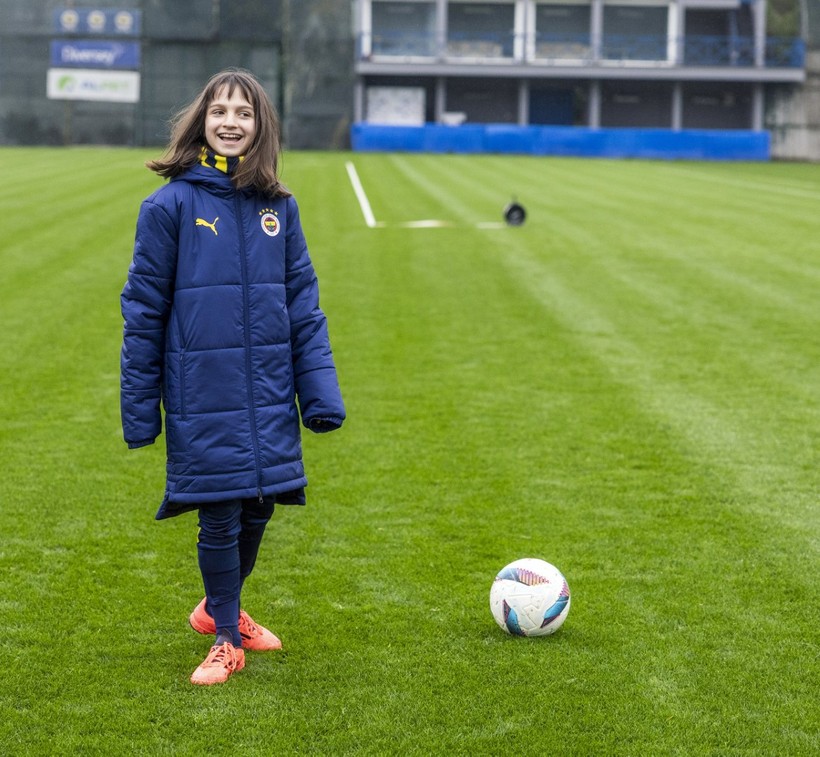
(223, 325)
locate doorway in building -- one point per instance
(555, 106)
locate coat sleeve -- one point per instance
(146, 303)
(317, 385)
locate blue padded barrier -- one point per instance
(687, 144)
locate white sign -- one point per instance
(88, 84)
(396, 106)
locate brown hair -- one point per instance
(260, 168)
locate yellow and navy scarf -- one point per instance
(227, 165)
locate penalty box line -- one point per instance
(370, 218)
(358, 190)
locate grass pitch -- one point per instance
(627, 386)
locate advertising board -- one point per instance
(93, 85)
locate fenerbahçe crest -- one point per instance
(270, 223)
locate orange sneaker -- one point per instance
(220, 664)
(255, 637)
(200, 621)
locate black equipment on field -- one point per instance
(514, 214)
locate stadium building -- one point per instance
(113, 72)
(643, 65)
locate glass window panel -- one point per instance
(562, 31)
(635, 32)
(719, 37)
(480, 30)
(404, 28)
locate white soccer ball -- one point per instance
(530, 597)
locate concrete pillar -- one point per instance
(523, 102)
(677, 32)
(677, 106)
(441, 98)
(358, 100)
(757, 107)
(759, 11)
(596, 28)
(441, 28)
(594, 114)
(793, 116)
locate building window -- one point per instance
(558, 103)
(404, 29)
(562, 31)
(635, 32)
(480, 30)
(719, 37)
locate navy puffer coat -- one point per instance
(223, 326)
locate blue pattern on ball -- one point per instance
(511, 621)
(508, 574)
(553, 612)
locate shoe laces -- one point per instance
(222, 656)
(248, 627)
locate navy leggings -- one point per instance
(229, 537)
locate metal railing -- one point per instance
(691, 50)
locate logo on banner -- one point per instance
(124, 22)
(98, 21)
(95, 85)
(95, 54)
(69, 20)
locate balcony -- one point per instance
(780, 52)
(542, 49)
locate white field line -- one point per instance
(370, 219)
(429, 223)
(364, 203)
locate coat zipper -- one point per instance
(243, 256)
(183, 406)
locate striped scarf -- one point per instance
(227, 165)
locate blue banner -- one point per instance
(95, 54)
(124, 22)
(649, 144)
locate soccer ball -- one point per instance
(530, 597)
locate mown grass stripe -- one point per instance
(660, 377)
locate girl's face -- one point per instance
(230, 124)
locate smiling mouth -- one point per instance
(230, 137)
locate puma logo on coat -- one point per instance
(211, 226)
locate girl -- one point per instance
(223, 327)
